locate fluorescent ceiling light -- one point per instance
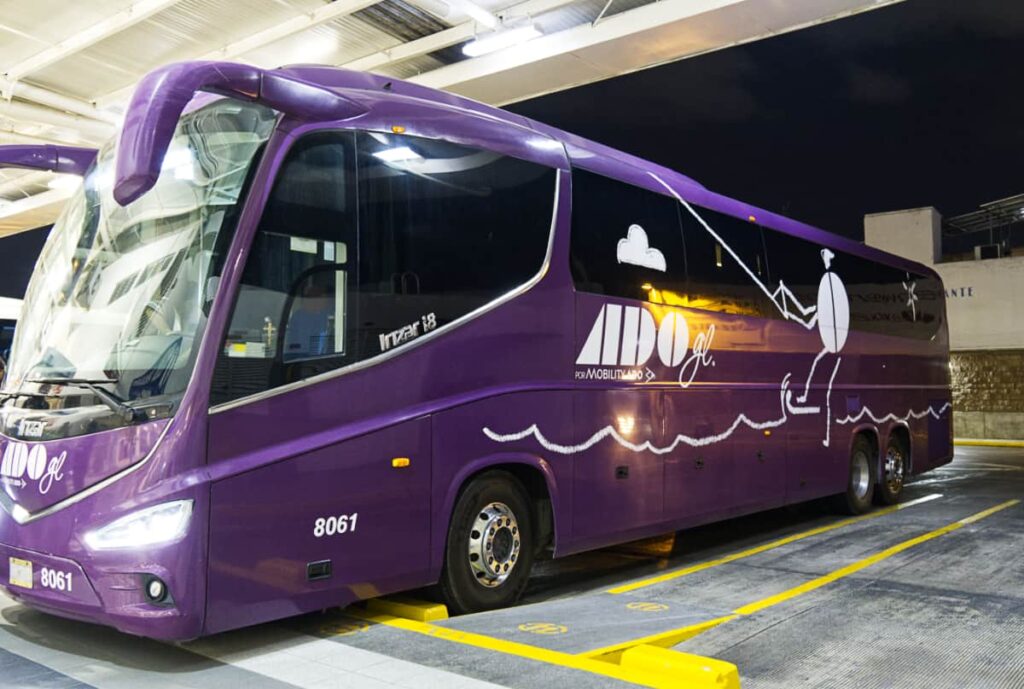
(397, 154)
(500, 40)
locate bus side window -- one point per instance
(335, 277)
(290, 317)
(444, 230)
(795, 263)
(626, 241)
(720, 269)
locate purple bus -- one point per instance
(306, 336)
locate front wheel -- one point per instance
(894, 470)
(861, 482)
(490, 545)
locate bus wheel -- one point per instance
(490, 545)
(861, 482)
(894, 471)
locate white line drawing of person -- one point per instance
(833, 320)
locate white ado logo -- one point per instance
(633, 328)
(21, 461)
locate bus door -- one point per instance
(326, 495)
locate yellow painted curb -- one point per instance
(981, 442)
(521, 650)
(408, 608)
(667, 639)
(684, 669)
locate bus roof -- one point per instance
(598, 158)
(317, 93)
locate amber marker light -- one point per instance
(400, 462)
(751, 218)
(767, 434)
(397, 129)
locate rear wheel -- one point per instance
(490, 545)
(861, 482)
(894, 471)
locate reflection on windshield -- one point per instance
(119, 294)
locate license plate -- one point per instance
(20, 573)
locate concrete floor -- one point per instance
(945, 612)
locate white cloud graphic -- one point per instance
(635, 250)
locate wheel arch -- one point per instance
(537, 478)
(901, 431)
(870, 433)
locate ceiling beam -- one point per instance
(57, 101)
(34, 211)
(80, 40)
(27, 178)
(336, 9)
(89, 129)
(448, 37)
(302, 22)
(17, 133)
(648, 35)
(476, 13)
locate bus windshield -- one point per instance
(119, 296)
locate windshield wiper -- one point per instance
(125, 411)
(4, 396)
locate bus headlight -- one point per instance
(164, 523)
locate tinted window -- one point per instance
(370, 241)
(890, 301)
(883, 299)
(721, 269)
(444, 230)
(798, 265)
(626, 241)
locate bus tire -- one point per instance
(860, 484)
(894, 473)
(489, 552)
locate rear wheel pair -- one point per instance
(861, 486)
(490, 545)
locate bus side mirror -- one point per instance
(69, 160)
(162, 95)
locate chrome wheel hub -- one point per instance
(894, 468)
(860, 478)
(493, 544)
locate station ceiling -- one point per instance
(67, 69)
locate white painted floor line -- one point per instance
(312, 663)
(281, 655)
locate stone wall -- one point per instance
(988, 394)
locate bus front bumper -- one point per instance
(60, 586)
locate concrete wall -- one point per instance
(984, 303)
(915, 234)
(985, 311)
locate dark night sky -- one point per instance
(911, 105)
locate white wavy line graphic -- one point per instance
(646, 446)
(911, 414)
